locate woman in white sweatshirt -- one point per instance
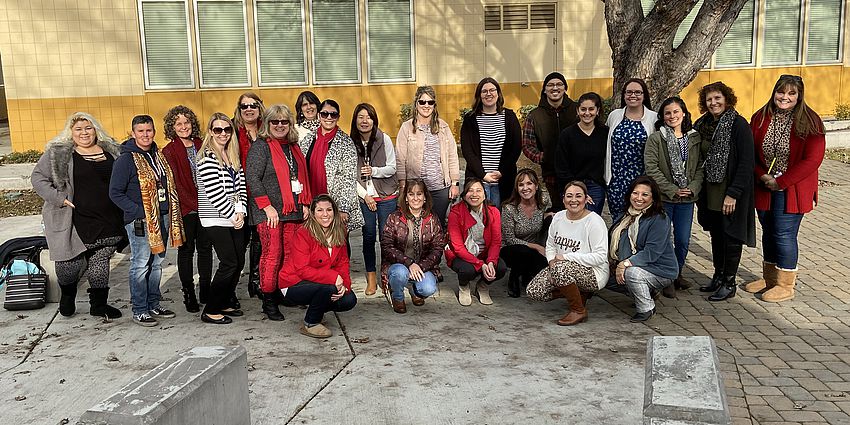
(576, 250)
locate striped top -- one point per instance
(432, 169)
(221, 192)
(491, 128)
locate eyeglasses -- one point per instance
(329, 114)
(491, 91)
(279, 122)
(219, 130)
(555, 85)
(244, 106)
(634, 93)
(426, 102)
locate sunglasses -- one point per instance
(329, 114)
(427, 102)
(219, 130)
(796, 78)
(244, 106)
(279, 122)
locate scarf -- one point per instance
(717, 160)
(677, 160)
(150, 202)
(630, 221)
(413, 246)
(284, 174)
(311, 125)
(318, 153)
(777, 142)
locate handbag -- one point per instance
(26, 285)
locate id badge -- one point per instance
(161, 193)
(296, 186)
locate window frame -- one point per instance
(841, 24)
(192, 71)
(260, 82)
(313, 79)
(412, 49)
(753, 49)
(801, 60)
(199, 58)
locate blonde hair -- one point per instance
(237, 116)
(65, 135)
(276, 112)
(334, 236)
(231, 149)
(435, 116)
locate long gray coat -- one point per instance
(52, 180)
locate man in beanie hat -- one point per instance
(542, 128)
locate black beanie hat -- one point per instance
(552, 76)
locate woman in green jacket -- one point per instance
(674, 159)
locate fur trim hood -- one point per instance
(61, 151)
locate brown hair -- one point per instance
(336, 233)
(478, 104)
(470, 181)
(515, 198)
(237, 116)
(404, 207)
(806, 121)
(726, 91)
(657, 206)
(435, 116)
(171, 119)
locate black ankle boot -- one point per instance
(513, 285)
(270, 308)
(714, 285)
(99, 307)
(190, 301)
(726, 291)
(67, 305)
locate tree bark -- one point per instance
(642, 47)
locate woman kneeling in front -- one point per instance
(317, 273)
(642, 248)
(576, 250)
(411, 246)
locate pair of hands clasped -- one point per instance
(340, 289)
(488, 270)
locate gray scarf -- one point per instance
(717, 159)
(674, 151)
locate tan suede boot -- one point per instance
(371, 283)
(767, 281)
(784, 289)
(577, 312)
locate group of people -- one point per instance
(292, 187)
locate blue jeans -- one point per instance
(779, 233)
(399, 276)
(145, 268)
(682, 217)
(491, 190)
(597, 193)
(370, 235)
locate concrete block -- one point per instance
(53, 291)
(205, 385)
(683, 383)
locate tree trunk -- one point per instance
(642, 47)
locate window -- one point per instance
(336, 41)
(826, 21)
(737, 47)
(389, 29)
(166, 55)
(222, 43)
(782, 32)
(280, 42)
(519, 17)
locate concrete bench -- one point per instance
(205, 385)
(683, 382)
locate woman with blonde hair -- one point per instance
(82, 225)
(317, 273)
(426, 149)
(222, 200)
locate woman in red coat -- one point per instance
(475, 237)
(789, 145)
(317, 272)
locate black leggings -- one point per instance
(196, 237)
(725, 250)
(523, 260)
(467, 273)
(317, 298)
(229, 245)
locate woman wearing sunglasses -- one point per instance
(332, 164)
(248, 119)
(222, 198)
(279, 199)
(426, 149)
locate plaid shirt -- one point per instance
(529, 142)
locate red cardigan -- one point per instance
(310, 261)
(800, 181)
(178, 160)
(460, 221)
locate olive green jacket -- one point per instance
(656, 159)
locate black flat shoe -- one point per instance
(642, 317)
(726, 291)
(233, 313)
(223, 321)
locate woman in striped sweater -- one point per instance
(221, 207)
